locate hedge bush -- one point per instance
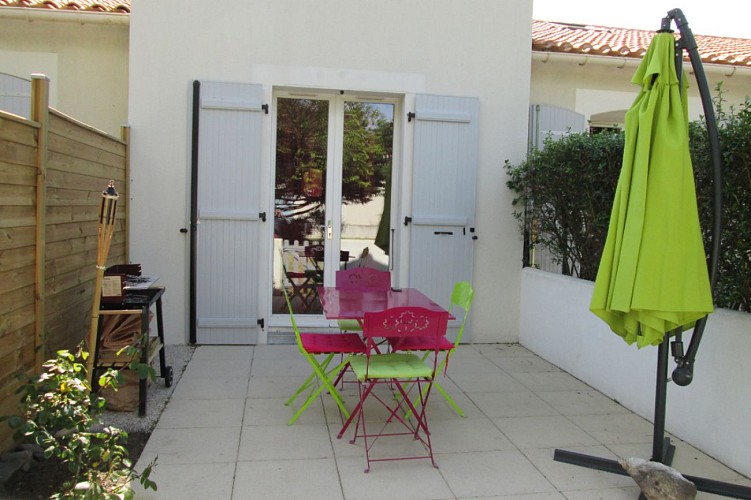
(564, 196)
(565, 193)
(733, 289)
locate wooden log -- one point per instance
(15, 237)
(16, 257)
(14, 279)
(77, 131)
(15, 299)
(15, 174)
(18, 131)
(17, 216)
(20, 335)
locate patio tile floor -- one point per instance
(224, 435)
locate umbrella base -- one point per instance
(608, 465)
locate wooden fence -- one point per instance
(53, 170)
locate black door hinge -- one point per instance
(262, 216)
(265, 108)
(407, 220)
(410, 116)
(260, 322)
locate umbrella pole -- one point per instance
(662, 449)
(683, 374)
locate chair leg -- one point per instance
(325, 378)
(308, 382)
(450, 400)
(440, 389)
(419, 431)
(422, 418)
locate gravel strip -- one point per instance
(157, 395)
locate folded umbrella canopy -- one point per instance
(653, 274)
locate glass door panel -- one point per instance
(366, 184)
(334, 149)
(299, 208)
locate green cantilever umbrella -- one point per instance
(653, 279)
(653, 276)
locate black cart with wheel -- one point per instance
(137, 302)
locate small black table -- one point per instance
(137, 302)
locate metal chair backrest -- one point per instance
(402, 322)
(363, 278)
(461, 296)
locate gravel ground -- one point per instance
(157, 394)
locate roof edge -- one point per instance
(621, 62)
(64, 16)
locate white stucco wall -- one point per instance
(408, 47)
(85, 55)
(712, 413)
(595, 84)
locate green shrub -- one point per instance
(565, 194)
(61, 415)
(733, 288)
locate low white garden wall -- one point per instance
(712, 413)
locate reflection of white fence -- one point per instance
(542, 259)
(292, 257)
(296, 261)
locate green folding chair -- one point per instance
(461, 297)
(329, 345)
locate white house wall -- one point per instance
(85, 56)
(393, 46)
(591, 85)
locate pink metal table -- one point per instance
(353, 304)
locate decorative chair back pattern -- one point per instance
(403, 322)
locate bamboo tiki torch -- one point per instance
(106, 228)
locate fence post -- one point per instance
(125, 189)
(40, 98)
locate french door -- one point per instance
(333, 171)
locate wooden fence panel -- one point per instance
(78, 164)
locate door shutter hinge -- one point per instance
(410, 116)
(407, 220)
(260, 322)
(262, 216)
(265, 108)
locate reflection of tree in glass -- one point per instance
(302, 136)
(368, 139)
(301, 143)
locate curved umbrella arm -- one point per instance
(683, 374)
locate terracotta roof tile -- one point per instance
(108, 6)
(604, 41)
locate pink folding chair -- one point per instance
(397, 371)
(363, 278)
(360, 278)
